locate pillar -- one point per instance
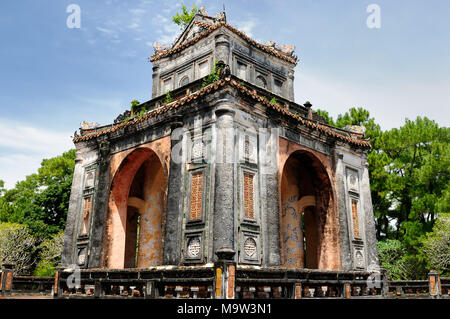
(174, 210)
(225, 274)
(223, 48)
(6, 279)
(223, 216)
(434, 284)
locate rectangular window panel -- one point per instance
(196, 196)
(203, 69)
(86, 212)
(242, 70)
(167, 85)
(249, 208)
(355, 218)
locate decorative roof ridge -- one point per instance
(213, 87)
(212, 27)
(321, 127)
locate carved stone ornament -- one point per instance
(159, 47)
(88, 125)
(250, 247)
(194, 247)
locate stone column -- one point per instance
(70, 233)
(290, 85)
(174, 210)
(223, 216)
(370, 230)
(155, 81)
(341, 197)
(223, 48)
(268, 158)
(101, 198)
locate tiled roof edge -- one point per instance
(213, 87)
(211, 28)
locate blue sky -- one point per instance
(53, 77)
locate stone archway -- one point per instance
(307, 210)
(136, 212)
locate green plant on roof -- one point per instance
(141, 112)
(185, 17)
(213, 76)
(134, 103)
(168, 99)
(273, 100)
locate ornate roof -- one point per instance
(209, 28)
(185, 101)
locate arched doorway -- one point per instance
(306, 199)
(136, 212)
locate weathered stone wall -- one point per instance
(230, 131)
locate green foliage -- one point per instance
(185, 17)
(409, 171)
(44, 269)
(168, 98)
(17, 246)
(213, 76)
(437, 245)
(273, 100)
(50, 251)
(399, 264)
(41, 200)
(326, 116)
(134, 103)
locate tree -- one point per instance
(409, 169)
(185, 17)
(41, 200)
(50, 255)
(17, 246)
(437, 245)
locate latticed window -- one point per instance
(249, 209)
(86, 212)
(196, 196)
(355, 218)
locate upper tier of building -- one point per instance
(207, 40)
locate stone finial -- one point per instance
(88, 125)
(159, 47)
(270, 44)
(356, 130)
(202, 11)
(308, 106)
(286, 48)
(220, 16)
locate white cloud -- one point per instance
(246, 26)
(23, 147)
(389, 103)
